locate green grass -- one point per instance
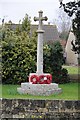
(0, 91)
(72, 69)
(69, 92)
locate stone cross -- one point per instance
(40, 32)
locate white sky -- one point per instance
(15, 10)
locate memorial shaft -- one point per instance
(40, 32)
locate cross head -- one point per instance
(40, 19)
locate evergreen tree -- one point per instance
(26, 24)
(18, 54)
(53, 61)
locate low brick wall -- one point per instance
(39, 109)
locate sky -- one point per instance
(15, 10)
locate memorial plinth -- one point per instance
(39, 83)
(39, 89)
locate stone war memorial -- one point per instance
(40, 83)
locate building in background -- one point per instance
(50, 35)
(71, 57)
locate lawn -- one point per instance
(69, 92)
(0, 90)
(72, 69)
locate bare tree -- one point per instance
(63, 22)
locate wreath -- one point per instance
(41, 79)
(49, 79)
(34, 79)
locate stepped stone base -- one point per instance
(39, 89)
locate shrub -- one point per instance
(53, 61)
(18, 56)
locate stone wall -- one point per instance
(74, 77)
(20, 109)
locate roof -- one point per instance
(50, 34)
(63, 43)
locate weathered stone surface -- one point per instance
(40, 109)
(39, 89)
(52, 105)
(77, 105)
